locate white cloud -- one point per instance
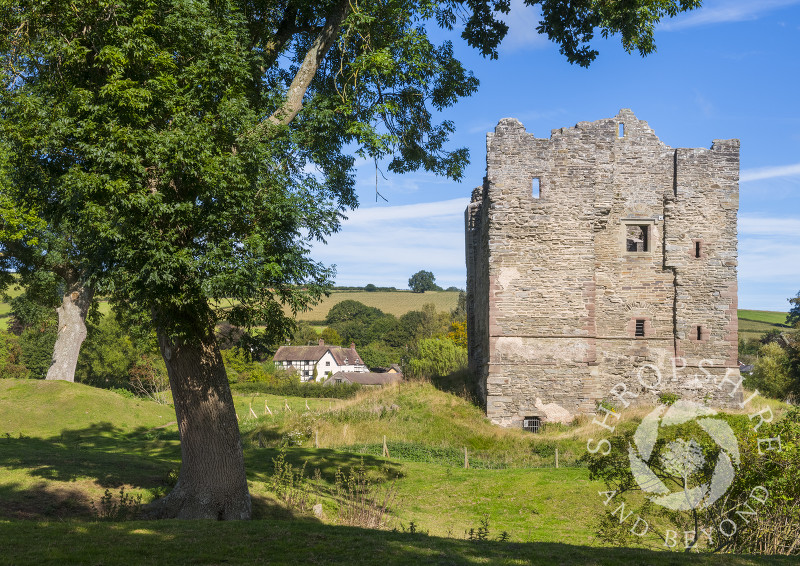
(770, 172)
(522, 22)
(724, 11)
(385, 245)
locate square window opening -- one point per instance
(535, 187)
(532, 424)
(637, 237)
(639, 327)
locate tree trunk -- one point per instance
(71, 328)
(212, 482)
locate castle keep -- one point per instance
(595, 257)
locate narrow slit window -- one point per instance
(636, 238)
(535, 187)
(640, 327)
(697, 249)
(621, 130)
(532, 424)
(699, 332)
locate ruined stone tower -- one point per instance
(595, 258)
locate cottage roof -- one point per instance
(365, 378)
(299, 353)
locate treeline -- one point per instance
(370, 288)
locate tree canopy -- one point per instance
(185, 153)
(422, 281)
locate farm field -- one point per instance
(392, 302)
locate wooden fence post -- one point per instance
(385, 448)
(466, 458)
(556, 457)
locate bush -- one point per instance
(436, 357)
(772, 372)
(36, 348)
(11, 365)
(107, 356)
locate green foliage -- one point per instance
(423, 281)
(108, 354)
(124, 508)
(11, 365)
(761, 466)
(331, 336)
(363, 502)
(36, 345)
(378, 354)
(289, 483)
(775, 372)
(793, 318)
(436, 357)
(668, 398)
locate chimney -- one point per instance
(321, 342)
(352, 345)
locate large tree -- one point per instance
(192, 149)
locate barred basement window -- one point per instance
(639, 327)
(531, 424)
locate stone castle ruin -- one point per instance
(600, 262)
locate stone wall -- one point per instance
(555, 299)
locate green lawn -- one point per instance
(63, 444)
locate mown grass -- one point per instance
(303, 542)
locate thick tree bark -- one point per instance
(71, 328)
(212, 482)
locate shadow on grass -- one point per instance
(75, 466)
(301, 542)
(101, 452)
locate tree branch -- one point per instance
(316, 53)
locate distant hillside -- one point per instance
(753, 324)
(392, 302)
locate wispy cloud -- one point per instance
(725, 11)
(770, 172)
(385, 245)
(769, 261)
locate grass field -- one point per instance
(62, 444)
(391, 302)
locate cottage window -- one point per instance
(338, 381)
(531, 424)
(639, 327)
(636, 237)
(327, 363)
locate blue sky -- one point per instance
(728, 70)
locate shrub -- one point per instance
(436, 357)
(36, 349)
(11, 365)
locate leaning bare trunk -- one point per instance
(71, 329)
(212, 482)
